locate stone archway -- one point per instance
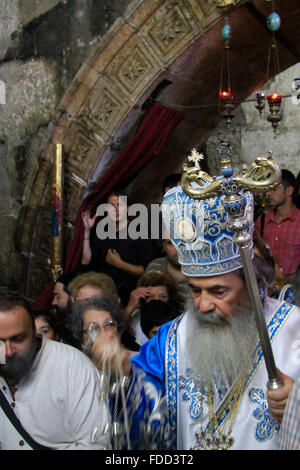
(101, 107)
(126, 64)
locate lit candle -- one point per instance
(57, 212)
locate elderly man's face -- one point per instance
(220, 294)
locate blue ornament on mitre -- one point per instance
(200, 231)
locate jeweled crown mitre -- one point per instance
(199, 230)
(210, 217)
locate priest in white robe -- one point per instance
(200, 383)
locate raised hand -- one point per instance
(88, 221)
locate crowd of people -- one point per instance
(153, 344)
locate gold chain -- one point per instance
(236, 395)
(214, 436)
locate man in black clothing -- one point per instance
(118, 255)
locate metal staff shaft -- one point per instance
(238, 223)
(251, 282)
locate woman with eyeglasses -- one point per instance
(96, 316)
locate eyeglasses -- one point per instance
(94, 329)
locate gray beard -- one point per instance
(219, 348)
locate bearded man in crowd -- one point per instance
(203, 376)
(49, 391)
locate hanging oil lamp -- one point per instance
(275, 116)
(225, 91)
(260, 101)
(274, 99)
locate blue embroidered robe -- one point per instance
(167, 400)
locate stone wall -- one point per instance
(43, 43)
(102, 104)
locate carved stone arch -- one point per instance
(123, 69)
(103, 104)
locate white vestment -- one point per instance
(254, 428)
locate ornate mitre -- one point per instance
(199, 230)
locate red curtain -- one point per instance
(140, 150)
(146, 144)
